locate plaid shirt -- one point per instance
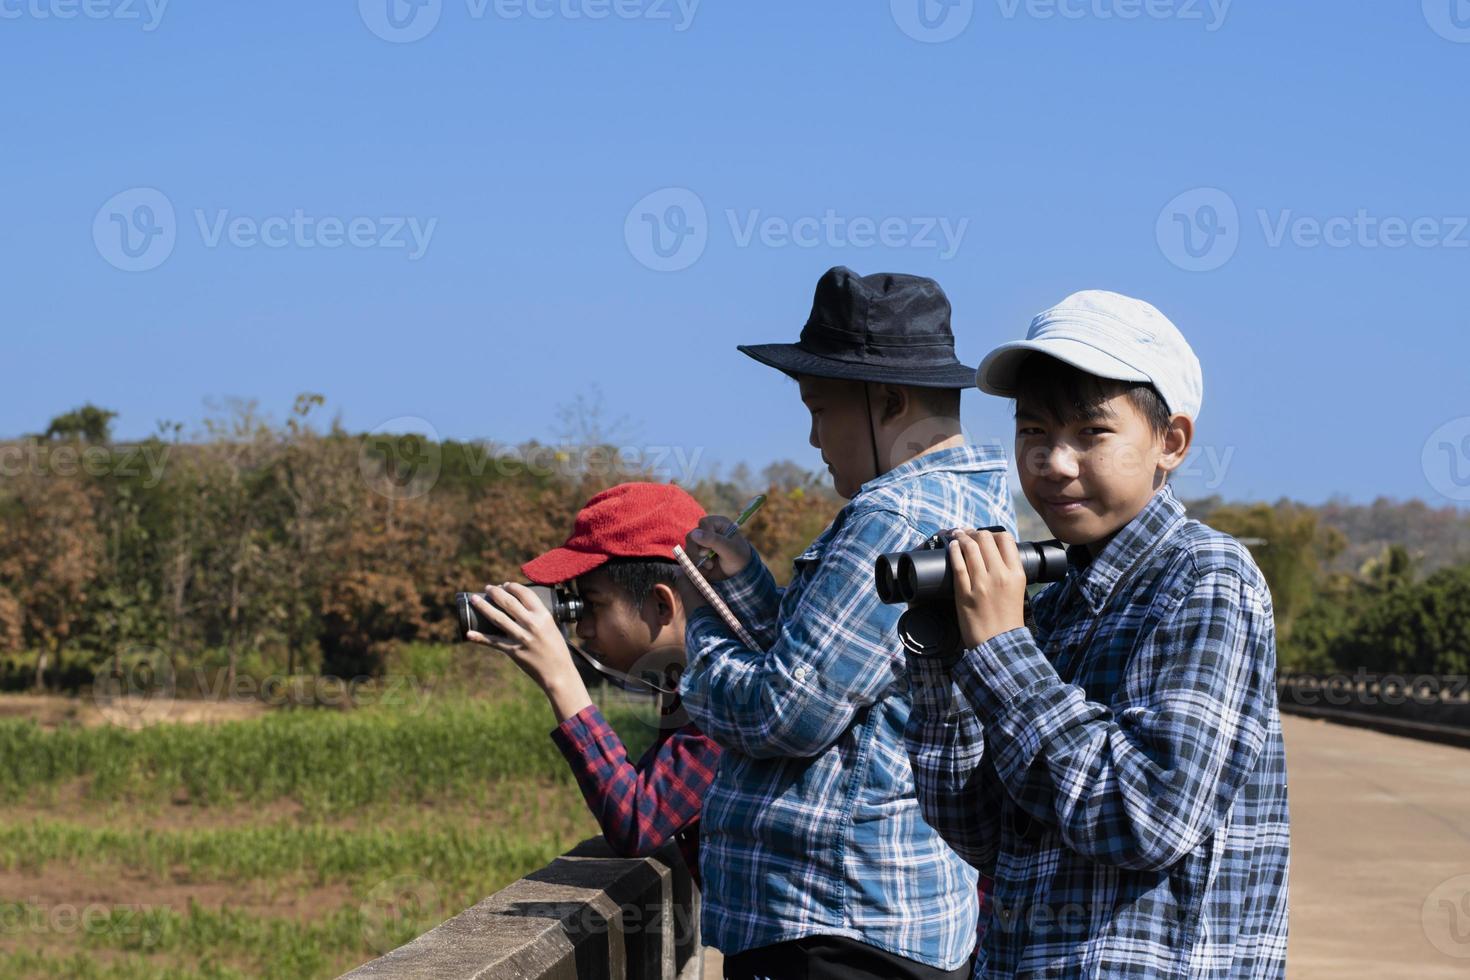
(812, 826)
(1123, 771)
(641, 806)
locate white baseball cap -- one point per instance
(1110, 336)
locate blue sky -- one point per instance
(448, 228)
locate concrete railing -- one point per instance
(588, 914)
(1433, 707)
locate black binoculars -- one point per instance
(925, 575)
(924, 579)
(565, 607)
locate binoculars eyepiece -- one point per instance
(565, 607)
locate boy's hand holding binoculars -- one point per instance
(989, 585)
(533, 638)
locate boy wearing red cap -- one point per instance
(620, 557)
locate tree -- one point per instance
(88, 423)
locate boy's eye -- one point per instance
(1096, 430)
(1029, 430)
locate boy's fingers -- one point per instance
(989, 551)
(1009, 553)
(499, 619)
(957, 563)
(526, 596)
(973, 558)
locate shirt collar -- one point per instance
(960, 459)
(1097, 577)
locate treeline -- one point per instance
(299, 548)
(292, 548)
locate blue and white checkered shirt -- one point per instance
(1121, 771)
(812, 826)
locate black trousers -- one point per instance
(831, 958)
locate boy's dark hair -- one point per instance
(1069, 394)
(943, 402)
(636, 577)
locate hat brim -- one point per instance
(997, 374)
(561, 565)
(793, 359)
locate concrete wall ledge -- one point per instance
(588, 914)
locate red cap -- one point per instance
(630, 520)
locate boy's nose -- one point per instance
(1059, 462)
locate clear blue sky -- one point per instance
(521, 145)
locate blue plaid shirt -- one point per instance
(812, 826)
(1122, 771)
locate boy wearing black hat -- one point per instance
(815, 858)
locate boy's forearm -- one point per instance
(958, 794)
(566, 693)
(1139, 795)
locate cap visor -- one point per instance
(560, 565)
(997, 374)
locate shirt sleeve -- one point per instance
(754, 598)
(832, 654)
(638, 807)
(958, 790)
(1142, 787)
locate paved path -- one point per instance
(1380, 840)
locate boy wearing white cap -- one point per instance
(1119, 766)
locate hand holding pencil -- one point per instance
(723, 550)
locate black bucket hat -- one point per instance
(887, 328)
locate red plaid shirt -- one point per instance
(641, 806)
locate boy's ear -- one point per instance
(895, 401)
(1177, 440)
(666, 602)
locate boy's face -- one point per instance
(840, 430)
(1089, 478)
(620, 634)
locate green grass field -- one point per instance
(297, 844)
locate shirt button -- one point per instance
(799, 673)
